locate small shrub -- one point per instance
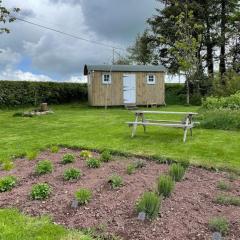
(149, 203)
(85, 154)
(184, 162)
(68, 158)
(54, 149)
(232, 177)
(223, 186)
(115, 181)
(40, 191)
(140, 164)
(43, 167)
(219, 224)
(177, 172)
(106, 156)
(71, 174)
(93, 163)
(7, 183)
(131, 169)
(32, 155)
(7, 165)
(83, 196)
(227, 200)
(165, 186)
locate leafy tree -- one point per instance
(6, 17)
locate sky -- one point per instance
(32, 53)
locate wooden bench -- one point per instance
(185, 124)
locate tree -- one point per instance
(142, 50)
(6, 17)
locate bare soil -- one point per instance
(184, 215)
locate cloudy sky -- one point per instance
(32, 53)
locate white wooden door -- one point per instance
(129, 88)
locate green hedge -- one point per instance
(20, 93)
(175, 93)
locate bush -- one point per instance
(184, 162)
(68, 158)
(83, 196)
(177, 172)
(165, 186)
(227, 200)
(7, 165)
(32, 155)
(85, 154)
(71, 174)
(223, 186)
(54, 149)
(93, 163)
(232, 176)
(149, 203)
(106, 156)
(43, 167)
(19, 93)
(40, 191)
(131, 169)
(7, 183)
(175, 93)
(219, 224)
(115, 181)
(140, 164)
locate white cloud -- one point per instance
(9, 58)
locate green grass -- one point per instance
(96, 128)
(14, 225)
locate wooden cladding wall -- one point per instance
(101, 94)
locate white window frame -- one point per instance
(151, 82)
(103, 78)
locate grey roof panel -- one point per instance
(124, 68)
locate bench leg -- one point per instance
(185, 135)
(134, 129)
(191, 132)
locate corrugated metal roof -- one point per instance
(124, 68)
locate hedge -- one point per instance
(175, 93)
(22, 93)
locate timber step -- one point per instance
(131, 107)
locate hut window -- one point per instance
(106, 78)
(151, 79)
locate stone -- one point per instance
(142, 216)
(74, 204)
(216, 236)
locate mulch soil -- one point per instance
(184, 215)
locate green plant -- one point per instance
(106, 156)
(232, 176)
(184, 162)
(83, 196)
(43, 167)
(40, 191)
(7, 165)
(177, 172)
(223, 186)
(7, 183)
(54, 149)
(227, 200)
(85, 154)
(93, 163)
(32, 155)
(71, 174)
(140, 164)
(68, 158)
(219, 224)
(130, 169)
(149, 203)
(165, 186)
(115, 181)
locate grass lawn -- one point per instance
(15, 226)
(80, 126)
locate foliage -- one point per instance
(54, 149)
(177, 172)
(85, 154)
(232, 176)
(149, 203)
(139, 164)
(83, 196)
(106, 156)
(16, 93)
(40, 191)
(115, 181)
(15, 225)
(31, 155)
(93, 163)
(175, 93)
(7, 165)
(71, 174)
(68, 158)
(7, 183)
(227, 200)
(43, 167)
(219, 224)
(184, 163)
(223, 186)
(165, 186)
(131, 168)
